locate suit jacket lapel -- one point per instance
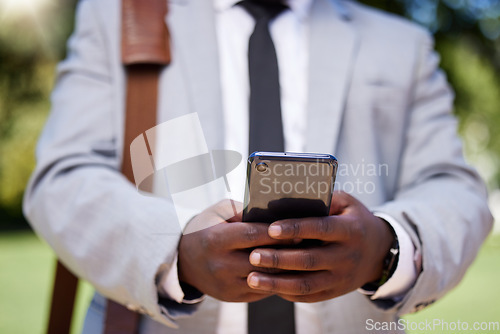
(192, 26)
(333, 46)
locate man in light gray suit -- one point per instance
(355, 82)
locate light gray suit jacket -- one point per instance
(376, 98)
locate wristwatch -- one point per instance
(390, 265)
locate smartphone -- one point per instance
(288, 185)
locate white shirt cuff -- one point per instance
(405, 275)
(170, 286)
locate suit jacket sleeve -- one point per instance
(440, 200)
(77, 200)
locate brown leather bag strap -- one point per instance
(145, 37)
(141, 100)
(145, 50)
(63, 300)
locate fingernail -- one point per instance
(274, 230)
(255, 258)
(253, 281)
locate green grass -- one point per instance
(26, 277)
(26, 274)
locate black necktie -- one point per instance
(272, 315)
(266, 130)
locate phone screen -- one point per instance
(288, 185)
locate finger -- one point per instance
(234, 264)
(252, 297)
(334, 257)
(312, 298)
(229, 210)
(303, 283)
(330, 228)
(242, 285)
(240, 236)
(241, 292)
(222, 212)
(339, 202)
(249, 294)
(237, 264)
(310, 259)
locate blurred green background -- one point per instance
(32, 40)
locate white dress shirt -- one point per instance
(289, 32)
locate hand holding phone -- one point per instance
(353, 244)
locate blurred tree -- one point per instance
(32, 39)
